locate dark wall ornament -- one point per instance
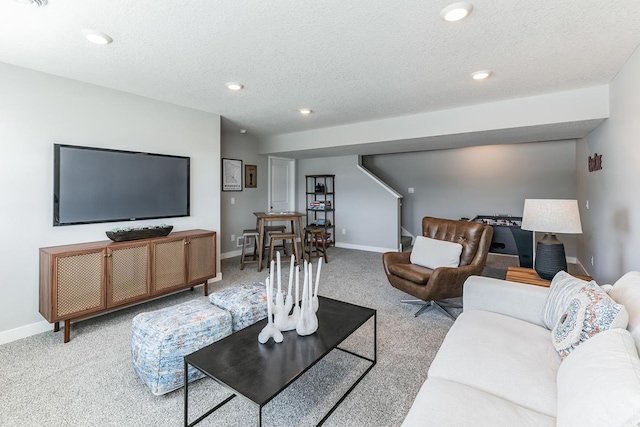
(250, 176)
(595, 162)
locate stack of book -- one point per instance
(320, 205)
(321, 222)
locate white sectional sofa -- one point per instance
(498, 366)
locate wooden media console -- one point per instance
(87, 279)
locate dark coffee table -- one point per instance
(259, 372)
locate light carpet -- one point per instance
(90, 380)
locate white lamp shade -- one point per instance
(551, 216)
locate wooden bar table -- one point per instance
(263, 217)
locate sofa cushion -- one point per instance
(599, 382)
(412, 272)
(626, 291)
(588, 312)
(434, 253)
(562, 288)
(501, 355)
(447, 403)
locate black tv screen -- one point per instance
(99, 185)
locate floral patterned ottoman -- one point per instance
(160, 339)
(246, 303)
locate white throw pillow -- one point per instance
(563, 287)
(599, 383)
(626, 291)
(588, 312)
(434, 253)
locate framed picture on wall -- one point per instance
(231, 175)
(250, 176)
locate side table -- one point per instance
(529, 276)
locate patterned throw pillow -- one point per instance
(563, 287)
(588, 312)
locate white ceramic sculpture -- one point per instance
(279, 308)
(295, 315)
(283, 320)
(272, 272)
(308, 322)
(269, 331)
(316, 302)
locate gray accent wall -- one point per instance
(612, 222)
(239, 216)
(366, 210)
(485, 180)
(38, 110)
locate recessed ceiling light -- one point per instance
(456, 11)
(243, 131)
(97, 37)
(234, 86)
(480, 75)
(305, 111)
(36, 3)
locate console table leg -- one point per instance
(56, 326)
(191, 289)
(67, 330)
(206, 288)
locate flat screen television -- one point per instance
(94, 185)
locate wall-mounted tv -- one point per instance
(99, 185)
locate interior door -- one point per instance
(282, 182)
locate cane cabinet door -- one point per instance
(202, 258)
(78, 285)
(169, 264)
(128, 275)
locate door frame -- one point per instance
(291, 178)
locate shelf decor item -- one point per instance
(551, 216)
(130, 233)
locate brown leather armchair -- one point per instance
(444, 282)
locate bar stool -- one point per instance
(273, 229)
(311, 237)
(283, 237)
(249, 234)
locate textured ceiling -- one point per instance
(349, 61)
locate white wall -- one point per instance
(612, 222)
(367, 211)
(238, 216)
(485, 180)
(38, 110)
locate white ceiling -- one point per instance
(349, 61)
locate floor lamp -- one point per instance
(551, 216)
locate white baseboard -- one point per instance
(25, 331)
(231, 254)
(366, 248)
(582, 266)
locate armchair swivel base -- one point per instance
(424, 306)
